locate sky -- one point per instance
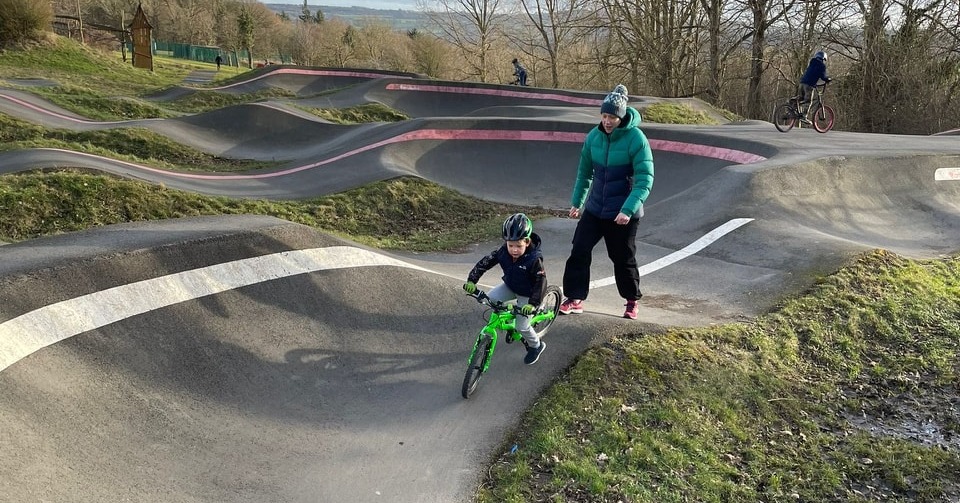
(370, 4)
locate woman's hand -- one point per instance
(622, 219)
(574, 212)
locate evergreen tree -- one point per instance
(305, 13)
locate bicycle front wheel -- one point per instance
(550, 304)
(478, 360)
(784, 118)
(823, 118)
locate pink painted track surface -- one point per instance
(343, 385)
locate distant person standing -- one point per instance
(614, 178)
(219, 61)
(519, 72)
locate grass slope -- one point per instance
(137, 145)
(846, 394)
(404, 213)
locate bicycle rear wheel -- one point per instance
(478, 360)
(550, 303)
(784, 118)
(823, 118)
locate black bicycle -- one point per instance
(793, 112)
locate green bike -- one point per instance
(503, 318)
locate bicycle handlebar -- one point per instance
(496, 305)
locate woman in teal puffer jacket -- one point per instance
(614, 178)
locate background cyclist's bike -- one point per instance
(502, 318)
(791, 112)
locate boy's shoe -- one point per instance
(805, 120)
(571, 306)
(633, 309)
(533, 354)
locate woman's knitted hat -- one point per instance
(616, 102)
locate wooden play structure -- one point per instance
(140, 31)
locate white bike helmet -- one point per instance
(821, 55)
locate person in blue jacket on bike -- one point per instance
(519, 72)
(524, 277)
(816, 71)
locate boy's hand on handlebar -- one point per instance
(528, 309)
(470, 287)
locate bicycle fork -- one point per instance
(484, 333)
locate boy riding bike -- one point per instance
(524, 277)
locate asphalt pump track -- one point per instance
(249, 359)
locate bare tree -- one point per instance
(725, 34)
(185, 21)
(329, 44)
(659, 42)
(431, 54)
(472, 26)
(907, 75)
(22, 21)
(266, 29)
(558, 23)
(376, 44)
(765, 13)
(304, 43)
(713, 10)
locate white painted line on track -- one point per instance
(37, 329)
(943, 174)
(683, 253)
(32, 331)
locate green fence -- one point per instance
(206, 53)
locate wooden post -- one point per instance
(80, 21)
(123, 37)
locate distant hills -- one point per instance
(401, 20)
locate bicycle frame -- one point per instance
(788, 113)
(503, 318)
(816, 97)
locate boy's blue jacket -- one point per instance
(816, 71)
(525, 277)
(615, 173)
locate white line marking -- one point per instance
(37, 329)
(681, 254)
(943, 174)
(32, 331)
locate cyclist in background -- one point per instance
(524, 277)
(519, 72)
(816, 71)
